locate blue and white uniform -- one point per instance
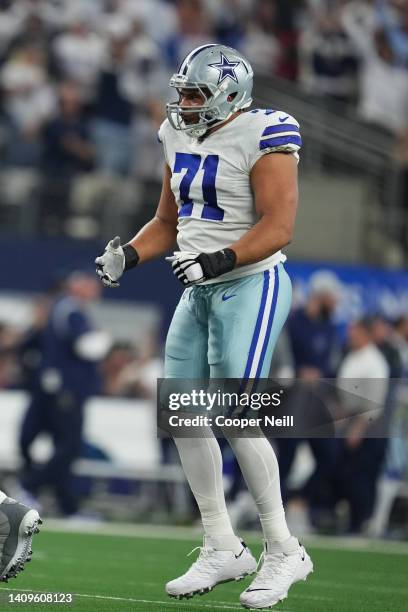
(227, 326)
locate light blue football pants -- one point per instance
(228, 330)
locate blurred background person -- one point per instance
(260, 42)
(194, 28)
(68, 375)
(383, 95)
(68, 152)
(392, 339)
(328, 58)
(29, 101)
(313, 331)
(316, 349)
(79, 51)
(29, 347)
(361, 458)
(384, 339)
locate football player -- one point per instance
(18, 524)
(229, 201)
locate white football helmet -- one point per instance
(223, 77)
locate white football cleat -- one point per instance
(220, 560)
(18, 524)
(283, 565)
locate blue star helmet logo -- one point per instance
(226, 69)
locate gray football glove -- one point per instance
(110, 265)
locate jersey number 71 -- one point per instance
(192, 163)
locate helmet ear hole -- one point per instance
(232, 96)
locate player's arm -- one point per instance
(275, 189)
(154, 239)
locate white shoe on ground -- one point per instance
(220, 560)
(282, 565)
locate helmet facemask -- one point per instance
(208, 113)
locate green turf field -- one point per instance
(118, 573)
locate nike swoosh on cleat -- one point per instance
(282, 119)
(238, 556)
(226, 297)
(253, 590)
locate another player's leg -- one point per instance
(18, 524)
(264, 301)
(223, 556)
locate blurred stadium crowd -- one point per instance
(83, 86)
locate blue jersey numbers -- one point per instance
(192, 164)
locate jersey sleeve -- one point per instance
(274, 132)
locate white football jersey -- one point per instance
(211, 180)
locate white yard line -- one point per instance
(123, 529)
(158, 602)
(162, 532)
(216, 605)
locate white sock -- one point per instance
(202, 464)
(2, 496)
(260, 469)
(225, 542)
